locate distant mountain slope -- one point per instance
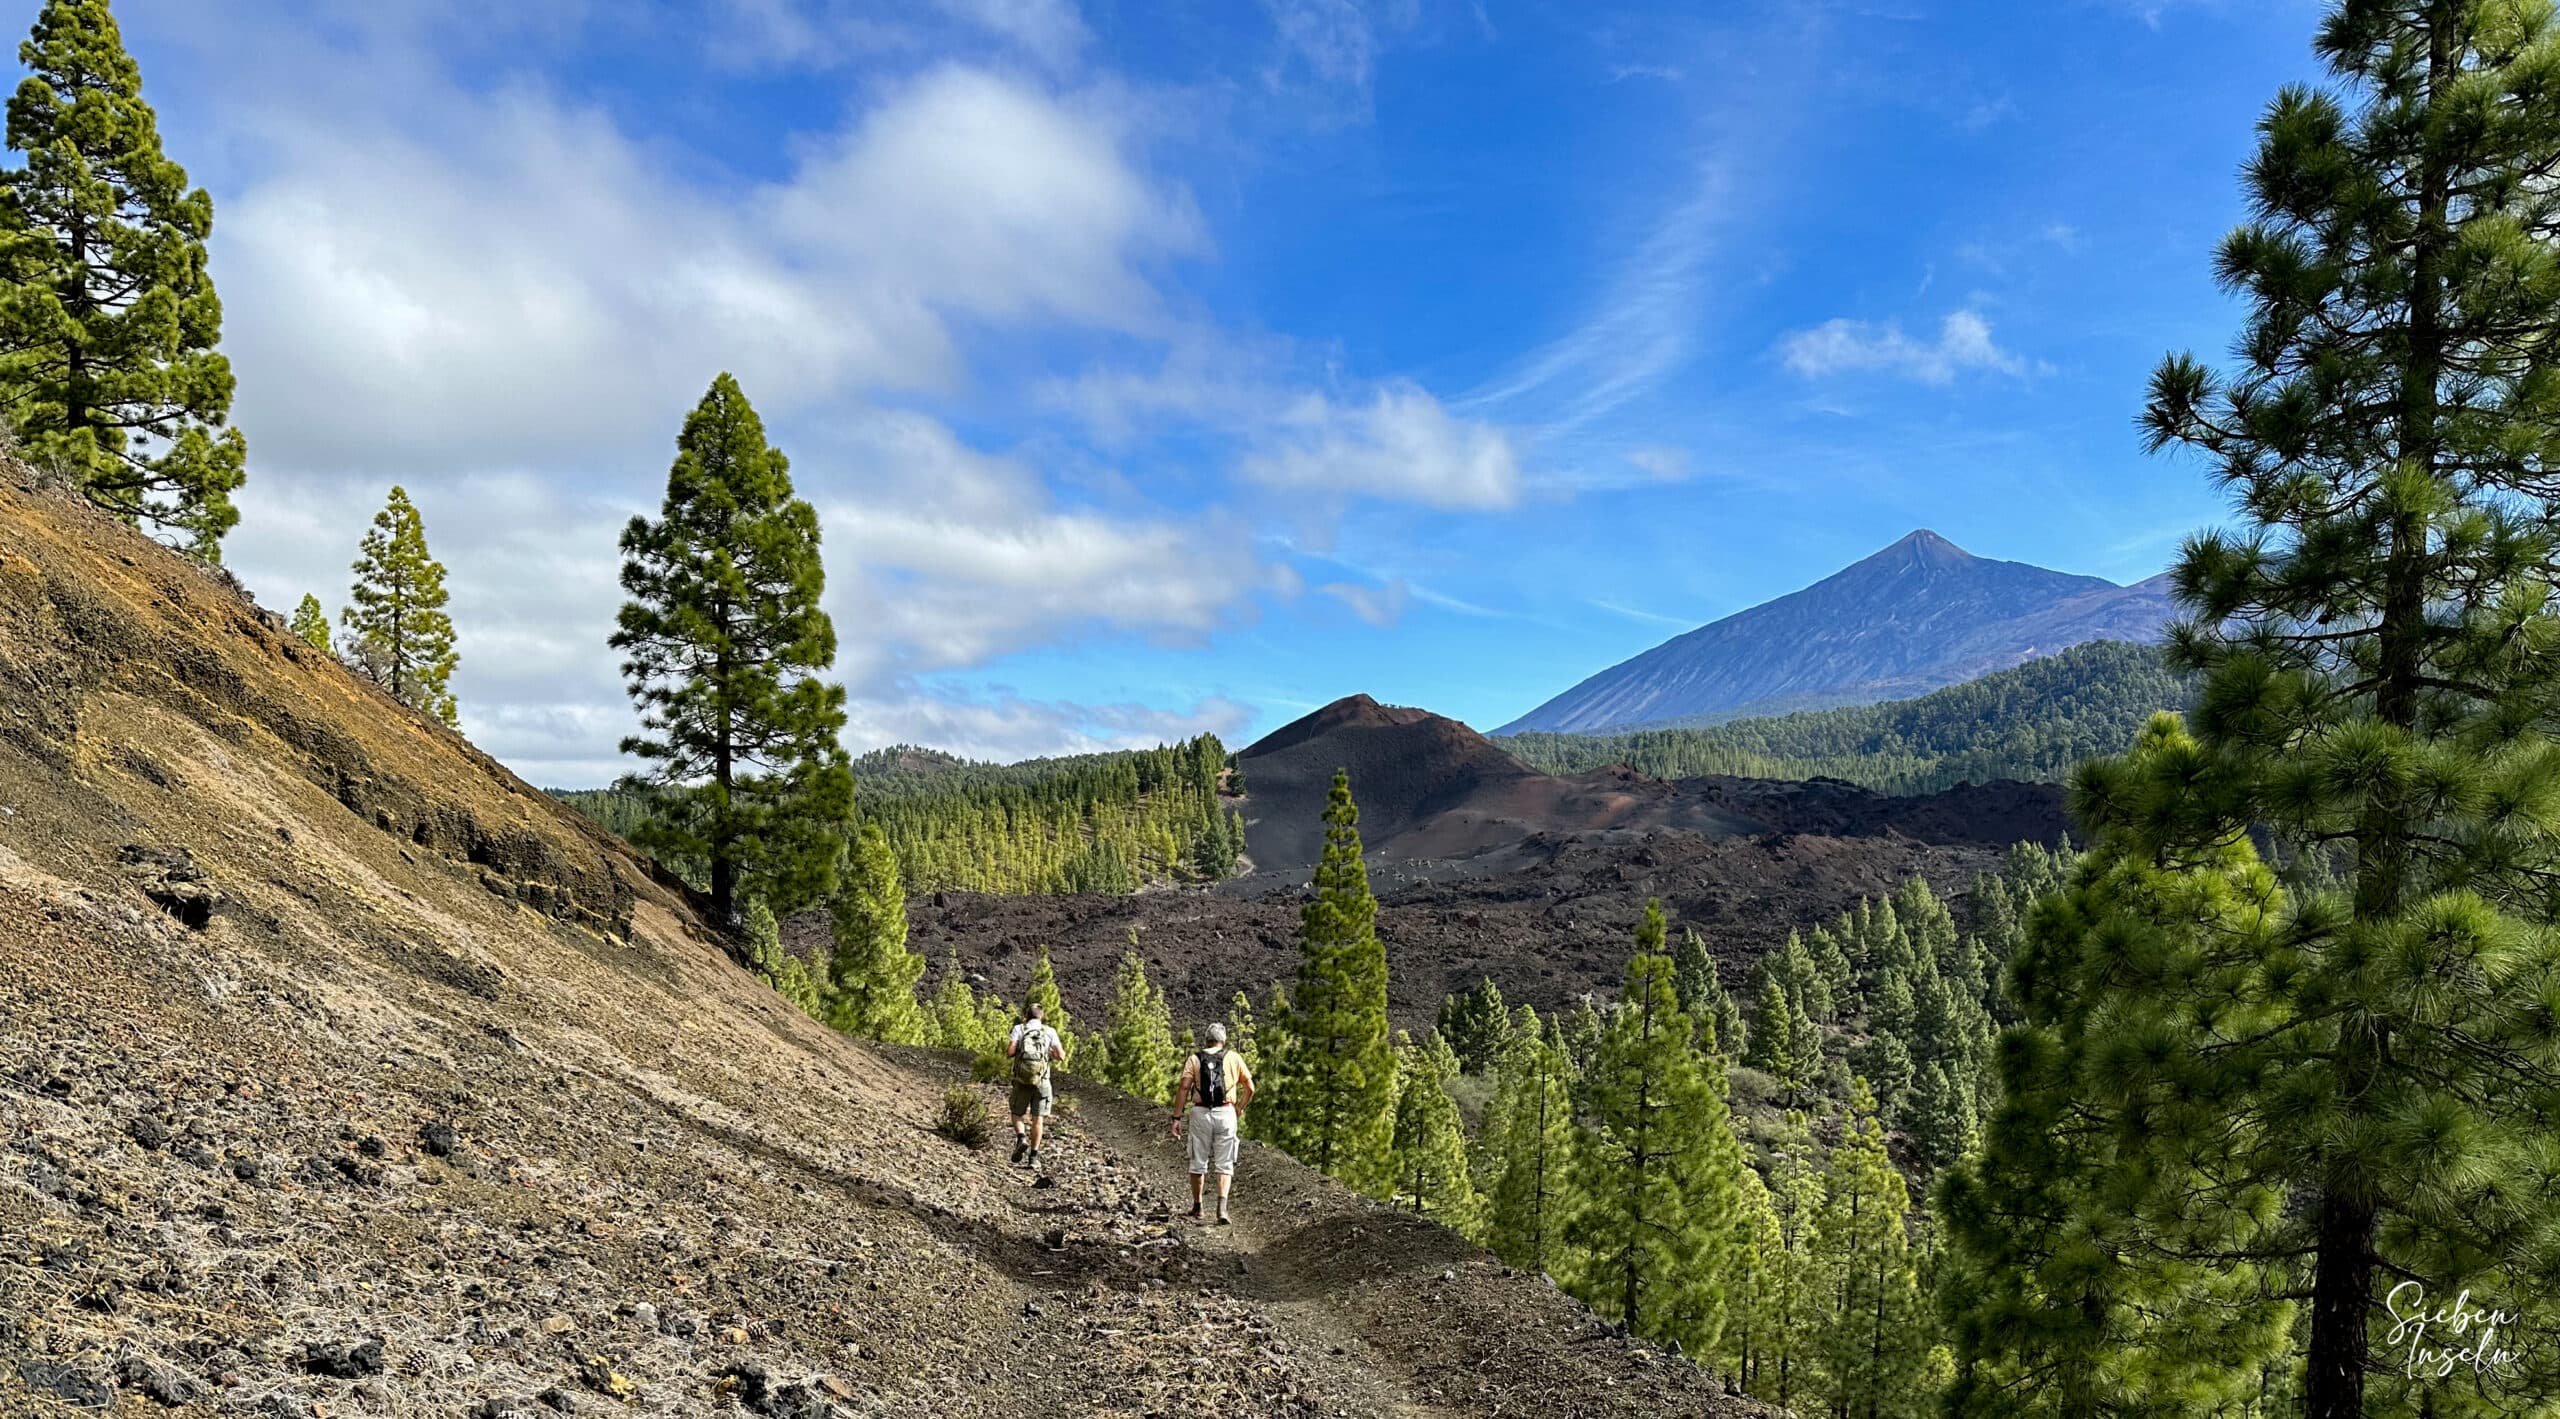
(1918, 615)
(1432, 790)
(2032, 722)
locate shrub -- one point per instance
(964, 1117)
(990, 1068)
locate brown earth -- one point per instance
(341, 1073)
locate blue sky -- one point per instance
(1163, 366)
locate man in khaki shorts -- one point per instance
(1032, 1047)
(1215, 1088)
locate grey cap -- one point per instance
(1217, 1033)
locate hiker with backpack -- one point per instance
(1214, 1088)
(1032, 1047)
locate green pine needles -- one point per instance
(311, 622)
(398, 634)
(1137, 1053)
(1657, 1171)
(1334, 1107)
(108, 319)
(1432, 1177)
(871, 978)
(723, 640)
(2358, 1076)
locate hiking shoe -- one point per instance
(1035, 1160)
(1194, 1213)
(1224, 1220)
(1021, 1146)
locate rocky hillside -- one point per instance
(343, 1074)
(1920, 614)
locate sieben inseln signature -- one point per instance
(2437, 1340)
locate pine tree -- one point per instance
(1476, 1024)
(2068, 1290)
(871, 978)
(722, 639)
(1942, 1122)
(1874, 1343)
(1430, 1144)
(398, 632)
(1043, 992)
(1772, 1032)
(311, 623)
(1334, 1109)
(1704, 999)
(1657, 1171)
(1273, 1050)
(764, 943)
(1136, 1053)
(2380, 677)
(954, 1012)
(108, 318)
(1792, 1276)
(1242, 1035)
(1529, 1141)
(1758, 1278)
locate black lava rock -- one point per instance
(159, 1383)
(344, 1360)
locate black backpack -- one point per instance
(1213, 1079)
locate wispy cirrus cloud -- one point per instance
(1639, 331)
(1963, 345)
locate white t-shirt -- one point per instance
(1023, 1042)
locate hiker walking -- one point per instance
(1032, 1047)
(1215, 1087)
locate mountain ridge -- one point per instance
(1920, 614)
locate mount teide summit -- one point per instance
(1921, 614)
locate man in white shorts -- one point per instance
(1215, 1088)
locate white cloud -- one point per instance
(1392, 440)
(1402, 444)
(1007, 727)
(1378, 605)
(1964, 344)
(1640, 330)
(540, 285)
(945, 557)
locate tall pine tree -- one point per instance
(1136, 1053)
(108, 319)
(1874, 1342)
(2068, 1293)
(1430, 1143)
(1334, 1108)
(871, 977)
(1043, 992)
(723, 638)
(1658, 1224)
(397, 630)
(2378, 646)
(1528, 1142)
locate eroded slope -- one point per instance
(342, 1073)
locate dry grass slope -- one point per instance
(343, 1074)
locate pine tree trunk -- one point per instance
(2343, 1273)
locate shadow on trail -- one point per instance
(1334, 1253)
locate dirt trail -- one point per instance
(343, 1074)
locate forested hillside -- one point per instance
(2032, 722)
(1088, 823)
